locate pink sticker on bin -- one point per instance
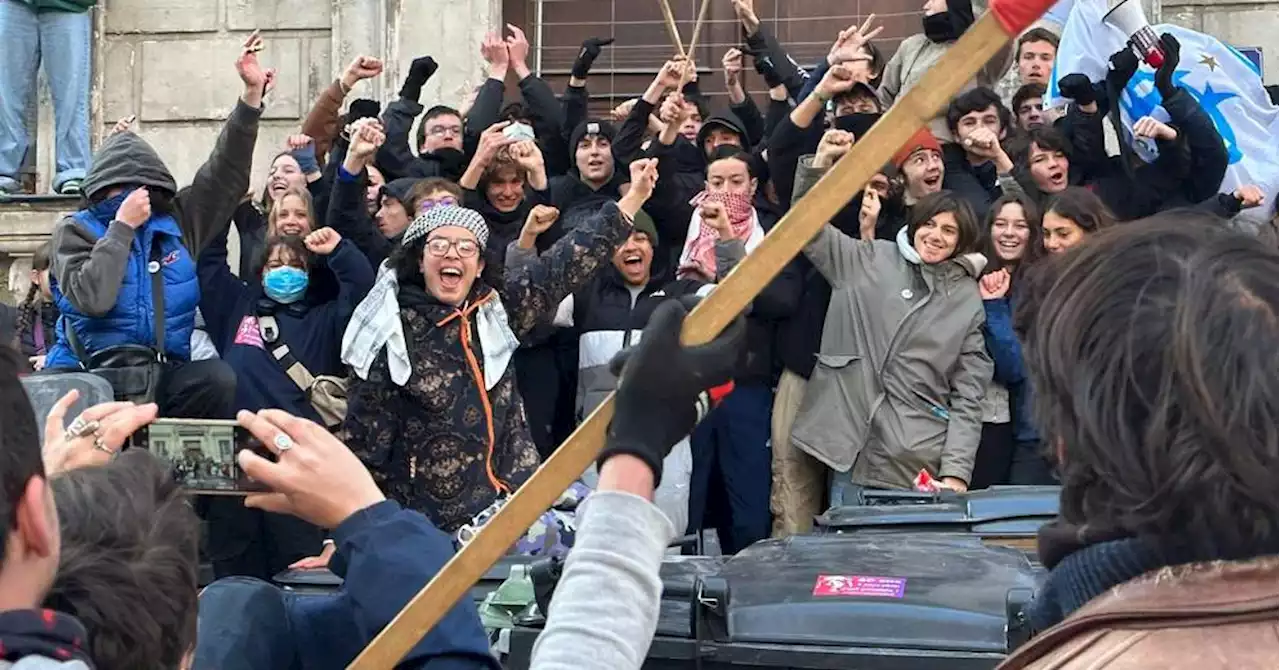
(860, 585)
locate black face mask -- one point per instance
(857, 123)
(939, 28)
(452, 161)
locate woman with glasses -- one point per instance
(434, 411)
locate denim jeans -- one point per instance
(248, 624)
(59, 40)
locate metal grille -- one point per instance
(805, 27)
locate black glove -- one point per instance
(590, 51)
(1078, 88)
(1124, 63)
(661, 380)
(1164, 74)
(764, 65)
(419, 72)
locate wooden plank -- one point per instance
(787, 239)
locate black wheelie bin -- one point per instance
(1001, 515)
(901, 601)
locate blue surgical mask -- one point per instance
(285, 284)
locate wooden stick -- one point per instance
(960, 63)
(672, 31)
(697, 29)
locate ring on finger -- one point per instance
(100, 445)
(283, 442)
(81, 428)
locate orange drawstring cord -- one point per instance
(463, 315)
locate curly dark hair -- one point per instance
(1152, 349)
(406, 261)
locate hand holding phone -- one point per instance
(203, 453)
(518, 131)
(312, 475)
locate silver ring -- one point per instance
(102, 446)
(283, 442)
(80, 428)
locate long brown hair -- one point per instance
(29, 308)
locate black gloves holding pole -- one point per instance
(590, 51)
(663, 389)
(419, 72)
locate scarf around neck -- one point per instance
(43, 633)
(375, 325)
(699, 255)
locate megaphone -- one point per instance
(1129, 18)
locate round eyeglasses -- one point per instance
(439, 246)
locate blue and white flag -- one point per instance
(1227, 85)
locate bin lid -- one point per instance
(1000, 510)
(924, 591)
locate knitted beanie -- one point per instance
(441, 217)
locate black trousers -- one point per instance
(197, 390)
(547, 379)
(994, 459)
(1030, 466)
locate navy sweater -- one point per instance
(231, 308)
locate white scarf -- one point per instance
(375, 325)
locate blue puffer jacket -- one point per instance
(131, 320)
(98, 266)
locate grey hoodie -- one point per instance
(89, 270)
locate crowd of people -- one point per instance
(436, 296)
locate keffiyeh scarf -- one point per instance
(699, 255)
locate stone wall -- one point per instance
(172, 63)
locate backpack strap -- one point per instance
(155, 266)
(292, 367)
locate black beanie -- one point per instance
(363, 108)
(591, 127)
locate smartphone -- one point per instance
(518, 131)
(202, 453)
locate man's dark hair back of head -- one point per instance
(976, 100)
(20, 456)
(1152, 349)
(129, 561)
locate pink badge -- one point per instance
(248, 332)
(860, 585)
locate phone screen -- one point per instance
(202, 453)
(518, 131)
